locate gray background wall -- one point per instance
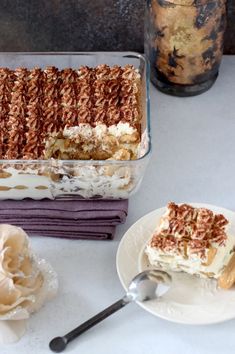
(80, 25)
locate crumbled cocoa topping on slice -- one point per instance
(200, 228)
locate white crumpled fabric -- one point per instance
(26, 282)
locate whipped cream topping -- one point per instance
(86, 131)
(121, 129)
(100, 131)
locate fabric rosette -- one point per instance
(26, 282)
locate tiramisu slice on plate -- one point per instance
(195, 241)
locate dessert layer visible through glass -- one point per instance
(103, 154)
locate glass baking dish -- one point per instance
(70, 179)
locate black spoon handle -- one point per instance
(96, 319)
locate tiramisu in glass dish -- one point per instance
(196, 241)
(77, 128)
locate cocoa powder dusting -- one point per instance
(17, 115)
(32, 148)
(6, 84)
(199, 228)
(37, 103)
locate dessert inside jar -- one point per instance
(184, 43)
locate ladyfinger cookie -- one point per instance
(210, 256)
(227, 278)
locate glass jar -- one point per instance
(184, 44)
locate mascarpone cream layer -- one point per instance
(169, 261)
(86, 131)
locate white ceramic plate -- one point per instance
(190, 300)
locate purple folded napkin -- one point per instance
(85, 219)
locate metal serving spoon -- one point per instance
(145, 286)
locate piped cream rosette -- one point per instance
(25, 282)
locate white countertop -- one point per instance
(193, 160)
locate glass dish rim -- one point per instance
(122, 54)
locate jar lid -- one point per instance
(191, 3)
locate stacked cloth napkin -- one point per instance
(82, 219)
